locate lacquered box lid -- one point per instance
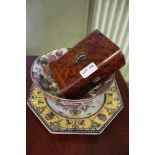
(90, 61)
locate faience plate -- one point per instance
(93, 125)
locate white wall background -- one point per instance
(54, 24)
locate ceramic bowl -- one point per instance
(78, 108)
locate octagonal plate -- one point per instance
(93, 125)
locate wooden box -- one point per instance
(88, 63)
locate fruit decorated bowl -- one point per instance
(84, 107)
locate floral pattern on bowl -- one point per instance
(79, 108)
(43, 79)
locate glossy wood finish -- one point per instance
(113, 141)
(95, 48)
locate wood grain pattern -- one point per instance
(113, 141)
(94, 48)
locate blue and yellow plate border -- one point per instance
(93, 125)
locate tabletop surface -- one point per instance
(114, 140)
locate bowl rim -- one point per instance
(64, 99)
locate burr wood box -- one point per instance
(88, 63)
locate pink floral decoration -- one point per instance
(46, 68)
(59, 53)
(51, 58)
